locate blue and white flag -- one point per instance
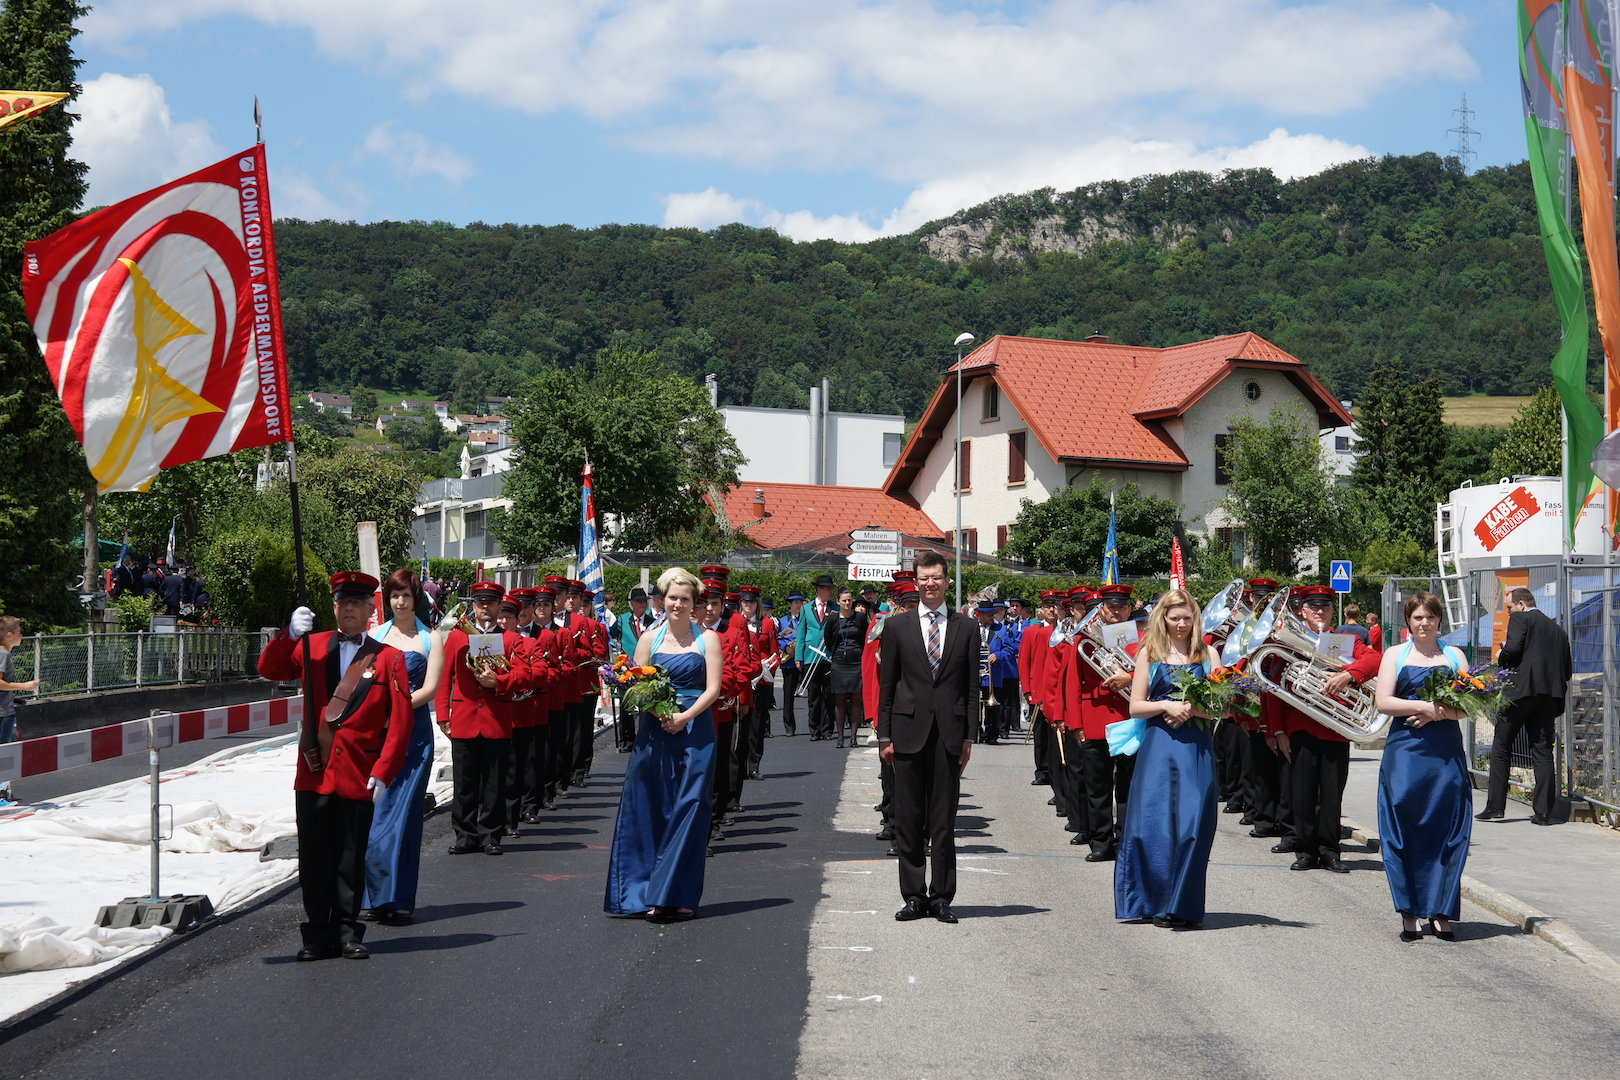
(590, 550)
(1110, 568)
(424, 574)
(169, 561)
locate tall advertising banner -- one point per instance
(160, 322)
(1546, 131)
(1589, 94)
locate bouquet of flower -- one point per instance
(1221, 693)
(646, 688)
(1476, 693)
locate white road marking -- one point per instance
(859, 871)
(985, 870)
(837, 911)
(846, 948)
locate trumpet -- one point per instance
(457, 619)
(987, 700)
(1102, 658)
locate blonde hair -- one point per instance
(678, 576)
(1156, 642)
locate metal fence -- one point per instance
(79, 663)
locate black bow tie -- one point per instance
(348, 639)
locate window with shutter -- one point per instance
(1223, 470)
(970, 539)
(1001, 537)
(964, 479)
(1016, 443)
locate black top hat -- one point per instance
(637, 593)
(824, 581)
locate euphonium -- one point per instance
(1224, 613)
(456, 619)
(1283, 657)
(1105, 661)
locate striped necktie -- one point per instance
(933, 641)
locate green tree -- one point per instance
(418, 430)
(188, 495)
(328, 422)
(364, 404)
(469, 387)
(1534, 443)
(1282, 492)
(42, 470)
(360, 486)
(1068, 532)
(652, 439)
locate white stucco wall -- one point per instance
(777, 445)
(1200, 424)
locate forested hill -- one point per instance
(1403, 257)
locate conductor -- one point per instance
(928, 720)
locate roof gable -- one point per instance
(796, 515)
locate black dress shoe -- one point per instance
(914, 909)
(1163, 922)
(1246, 819)
(463, 849)
(892, 851)
(1443, 935)
(1039, 781)
(1100, 856)
(395, 918)
(708, 853)
(1233, 808)
(492, 848)
(1539, 820)
(1187, 924)
(729, 821)
(552, 805)
(1283, 846)
(1304, 862)
(716, 834)
(1260, 834)
(1078, 840)
(368, 915)
(885, 833)
(755, 776)
(1071, 828)
(1052, 801)
(943, 913)
(1488, 815)
(1410, 936)
(531, 818)
(356, 951)
(1332, 863)
(319, 952)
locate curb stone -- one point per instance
(1531, 920)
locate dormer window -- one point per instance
(992, 401)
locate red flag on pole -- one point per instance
(160, 321)
(1178, 569)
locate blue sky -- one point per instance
(842, 118)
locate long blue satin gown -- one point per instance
(394, 850)
(1425, 810)
(1169, 825)
(660, 840)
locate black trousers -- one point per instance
(1317, 776)
(1012, 705)
(1045, 748)
(759, 727)
(624, 726)
(1229, 740)
(1264, 783)
(584, 740)
(1108, 782)
(819, 700)
(553, 768)
(1076, 792)
(478, 772)
(927, 786)
(990, 728)
(332, 834)
(737, 762)
(722, 769)
(1535, 714)
(885, 808)
(790, 684)
(523, 774)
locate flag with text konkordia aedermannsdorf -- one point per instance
(160, 322)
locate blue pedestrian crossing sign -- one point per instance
(1339, 578)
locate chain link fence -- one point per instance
(80, 663)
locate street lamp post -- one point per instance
(961, 340)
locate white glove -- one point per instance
(301, 623)
(377, 788)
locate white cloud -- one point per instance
(1286, 155)
(295, 194)
(413, 155)
(131, 142)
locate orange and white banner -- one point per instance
(160, 321)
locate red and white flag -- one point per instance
(1178, 568)
(160, 321)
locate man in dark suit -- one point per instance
(1537, 649)
(927, 723)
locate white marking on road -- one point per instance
(874, 997)
(846, 948)
(858, 871)
(837, 911)
(839, 997)
(911, 978)
(985, 870)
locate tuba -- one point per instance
(1090, 647)
(1225, 613)
(1283, 657)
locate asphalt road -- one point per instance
(797, 968)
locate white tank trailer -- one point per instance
(1512, 523)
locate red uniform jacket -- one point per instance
(1051, 676)
(870, 691)
(1277, 716)
(529, 707)
(596, 633)
(550, 694)
(1032, 672)
(471, 709)
(737, 667)
(372, 741)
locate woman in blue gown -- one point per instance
(1169, 825)
(660, 839)
(1425, 799)
(394, 849)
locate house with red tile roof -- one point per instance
(1041, 415)
(818, 516)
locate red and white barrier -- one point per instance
(54, 753)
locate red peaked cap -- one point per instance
(1262, 583)
(524, 595)
(721, 572)
(545, 592)
(488, 590)
(904, 575)
(557, 582)
(1303, 592)
(1121, 591)
(1052, 594)
(748, 590)
(511, 605)
(352, 583)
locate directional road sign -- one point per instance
(887, 547)
(881, 535)
(871, 573)
(1339, 578)
(875, 558)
